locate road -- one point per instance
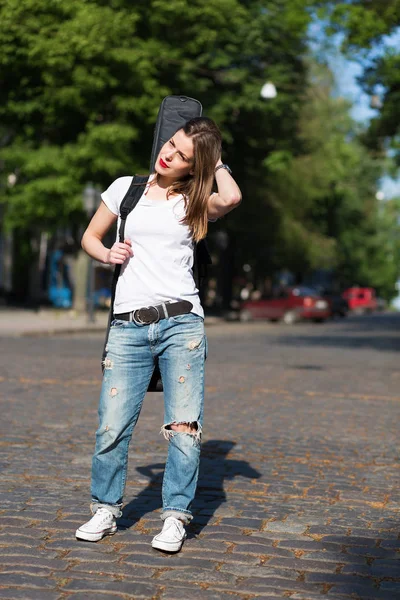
(299, 489)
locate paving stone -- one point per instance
(370, 552)
(28, 594)
(268, 595)
(255, 585)
(351, 541)
(357, 569)
(307, 544)
(390, 587)
(258, 550)
(301, 564)
(98, 595)
(264, 570)
(18, 522)
(337, 579)
(70, 526)
(199, 545)
(277, 536)
(307, 596)
(277, 526)
(112, 569)
(135, 589)
(256, 538)
(200, 576)
(394, 544)
(230, 530)
(31, 551)
(187, 592)
(386, 568)
(69, 544)
(25, 581)
(17, 532)
(92, 555)
(242, 522)
(358, 591)
(28, 561)
(237, 558)
(72, 574)
(36, 515)
(162, 560)
(29, 570)
(334, 557)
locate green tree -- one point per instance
(330, 217)
(81, 83)
(366, 25)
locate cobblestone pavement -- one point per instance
(299, 489)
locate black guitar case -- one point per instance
(172, 115)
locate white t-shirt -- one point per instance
(161, 268)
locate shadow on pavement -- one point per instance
(375, 332)
(386, 343)
(368, 567)
(215, 468)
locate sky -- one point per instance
(346, 73)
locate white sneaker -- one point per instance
(102, 523)
(171, 537)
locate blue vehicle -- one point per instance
(60, 288)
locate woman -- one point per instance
(157, 261)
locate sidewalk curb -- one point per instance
(88, 329)
(67, 331)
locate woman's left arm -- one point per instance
(228, 196)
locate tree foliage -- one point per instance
(330, 217)
(81, 83)
(366, 26)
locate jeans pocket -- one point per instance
(187, 318)
(115, 323)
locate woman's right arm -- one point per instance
(92, 243)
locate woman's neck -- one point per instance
(163, 182)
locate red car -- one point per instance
(289, 305)
(361, 299)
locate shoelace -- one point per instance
(103, 514)
(174, 523)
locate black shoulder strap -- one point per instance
(128, 203)
(202, 260)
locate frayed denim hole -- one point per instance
(169, 433)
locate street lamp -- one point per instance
(268, 91)
(91, 199)
(11, 179)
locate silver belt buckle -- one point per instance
(141, 319)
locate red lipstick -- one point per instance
(163, 164)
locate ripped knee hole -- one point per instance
(192, 428)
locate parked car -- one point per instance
(338, 305)
(361, 299)
(289, 305)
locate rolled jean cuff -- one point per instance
(115, 509)
(182, 515)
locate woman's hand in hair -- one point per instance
(120, 252)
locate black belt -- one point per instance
(152, 314)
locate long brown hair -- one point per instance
(197, 188)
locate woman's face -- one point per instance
(175, 160)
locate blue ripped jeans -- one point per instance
(180, 346)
